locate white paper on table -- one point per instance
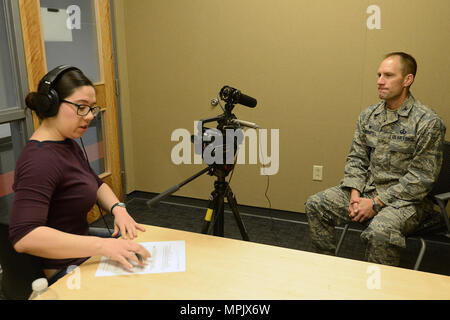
(166, 256)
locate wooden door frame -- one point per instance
(36, 64)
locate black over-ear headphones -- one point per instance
(48, 97)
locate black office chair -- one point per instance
(19, 269)
(435, 228)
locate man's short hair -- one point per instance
(409, 64)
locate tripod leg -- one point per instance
(209, 212)
(218, 217)
(233, 205)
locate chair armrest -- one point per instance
(442, 200)
(442, 196)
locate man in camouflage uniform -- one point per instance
(395, 158)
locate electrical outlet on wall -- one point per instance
(317, 173)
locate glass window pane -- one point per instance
(70, 35)
(7, 165)
(8, 94)
(94, 144)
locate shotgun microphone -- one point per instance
(233, 96)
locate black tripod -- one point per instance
(216, 207)
(215, 211)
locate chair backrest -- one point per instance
(19, 270)
(443, 183)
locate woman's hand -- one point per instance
(124, 251)
(124, 223)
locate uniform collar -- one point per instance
(407, 105)
(403, 110)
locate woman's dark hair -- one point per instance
(64, 86)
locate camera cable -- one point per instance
(98, 205)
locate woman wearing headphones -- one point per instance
(55, 187)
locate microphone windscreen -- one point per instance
(247, 101)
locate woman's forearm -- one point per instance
(106, 197)
(50, 243)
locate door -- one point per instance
(15, 126)
(78, 33)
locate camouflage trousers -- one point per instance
(384, 234)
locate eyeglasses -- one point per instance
(83, 109)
